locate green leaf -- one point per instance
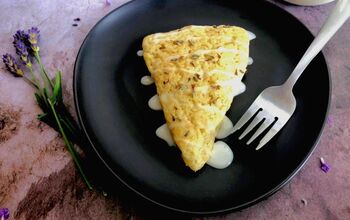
(57, 90)
(69, 144)
(45, 93)
(41, 116)
(41, 101)
(38, 99)
(44, 117)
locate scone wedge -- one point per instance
(196, 70)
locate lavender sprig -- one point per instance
(21, 44)
(49, 96)
(11, 65)
(14, 68)
(33, 39)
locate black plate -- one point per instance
(112, 104)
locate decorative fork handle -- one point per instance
(336, 19)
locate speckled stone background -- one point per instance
(37, 176)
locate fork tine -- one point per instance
(267, 122)
(246, 116)
(255, 121)
(271, 133)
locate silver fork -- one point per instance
(278, 102)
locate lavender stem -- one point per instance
(44, 75)
(69, 145)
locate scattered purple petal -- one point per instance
(74, 25)
(329, 120)
(324, 167)
(108, 3)
(76, 19)
(4, 213)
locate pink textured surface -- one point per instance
(38, 179)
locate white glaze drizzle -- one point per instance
(163, 133)
(147, 80)
(250, 61)
(221, 155)
(139, 53)
(251, 35)
(238, 86)
(154, 103)
(226, 128)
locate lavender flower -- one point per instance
(20, 35)
(12, 65)
(33, 38)
(21, 43)
(22, 52)
(4, 213)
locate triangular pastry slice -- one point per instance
(196, 70)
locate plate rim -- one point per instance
(201, 213)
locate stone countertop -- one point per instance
(37, 176)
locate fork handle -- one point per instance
(336, 19)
